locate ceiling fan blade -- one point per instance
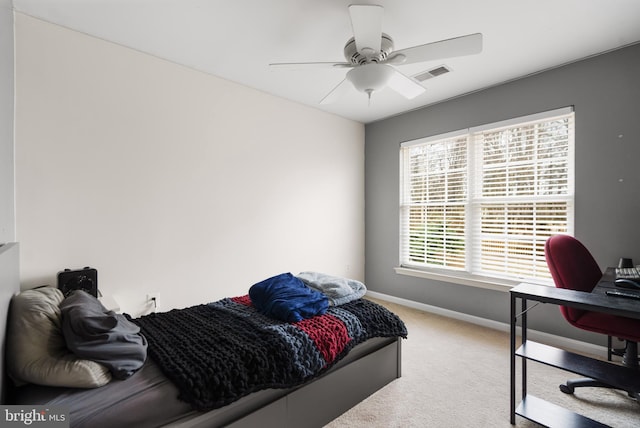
(405, 85)
(366, 21)
(337, 92)
(458, 46)
(299, 65)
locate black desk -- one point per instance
(539, 410)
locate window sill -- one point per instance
(461, 278)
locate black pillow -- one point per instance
(95, 333)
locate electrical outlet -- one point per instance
(153, 300)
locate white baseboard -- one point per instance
(538, 336)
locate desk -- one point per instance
(539, 410)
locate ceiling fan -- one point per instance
(372, 60)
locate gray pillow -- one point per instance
(36, 350)
(100, 335)
(338, 290)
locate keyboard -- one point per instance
(627, 273)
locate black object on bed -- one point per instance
(220, 352)
(85, 279)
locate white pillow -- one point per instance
(36, 350)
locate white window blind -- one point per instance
(435, 203)
(484, 201)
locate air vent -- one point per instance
(426, 75)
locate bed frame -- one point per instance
(317, 402)
(366, 369)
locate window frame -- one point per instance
(467, 276)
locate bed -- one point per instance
(148, 397)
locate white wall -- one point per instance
(7, 205)
(169, 180)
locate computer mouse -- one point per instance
(627, 283)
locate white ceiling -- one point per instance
(237, 39)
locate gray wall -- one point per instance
(605, 92)
(7, 205)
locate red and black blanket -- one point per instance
(219, 352)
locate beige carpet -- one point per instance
(456, 374)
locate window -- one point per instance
(483, 201)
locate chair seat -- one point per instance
(624, 328)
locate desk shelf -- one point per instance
(551, 415)
(617, 376)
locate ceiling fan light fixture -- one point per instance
(370, 77)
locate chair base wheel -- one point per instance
(567, 389)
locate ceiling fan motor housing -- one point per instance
(357, 58)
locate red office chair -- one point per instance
(573, 267)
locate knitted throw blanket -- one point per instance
(220, 352)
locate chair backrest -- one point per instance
(573, 267)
